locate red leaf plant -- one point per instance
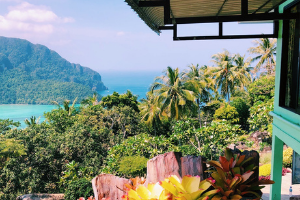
(233, 178)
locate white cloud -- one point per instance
(120, 33)
(8, 25)
(31, 18)
(68, 20)
(11, 1)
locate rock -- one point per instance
(259, 136)
(192, 165)
(162, 166)
(41, 197)
(108, 185)
(171, 163)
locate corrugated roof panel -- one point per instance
(154, 16)
(231, 7)
(194, 8)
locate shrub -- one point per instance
(284, 171)
(228, 113)
(265, 170)
(141, 145)
(262, 89)
(79, 188)
(209, 110)
(287, 157)
(132, 166)
(259, 116)
(207, 141)
(243, 138)
(242, 108)
(265, 158)
(264, 178)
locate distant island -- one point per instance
(34, 74)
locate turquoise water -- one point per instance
(21, 112)
(137, 82)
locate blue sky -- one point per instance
(106, 35)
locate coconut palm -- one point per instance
(265, 50)
(151, 112)
(196, 80)
(91, 101)
(223, 73)
(66, 106)
(176, 100)
(241, 71)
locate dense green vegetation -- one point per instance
(186, 112)
(33, 74)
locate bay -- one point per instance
(137, 82)
(19, 112)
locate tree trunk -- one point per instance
(228, 93)
(199, 117)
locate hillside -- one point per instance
(34, 74)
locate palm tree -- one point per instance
(66, 106)
(196, 80)
(223, 73)
(175, 99)
(266, 50)
(91, 101)
(151, 112)
(32, 122)
(241, 71)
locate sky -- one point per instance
(108, 36)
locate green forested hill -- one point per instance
(34, 74)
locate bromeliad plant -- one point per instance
(190, 188)
(152, 192)
(135, 182)
(234, 179)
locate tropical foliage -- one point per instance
(233, 178)
(175, 99)
(265, 52)
(190, 188)
(259, 115)
(231, 72)
(262, 89)
(198, 111)
(207, 141)
(133, 166)
(228, 113)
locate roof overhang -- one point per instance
(167, 14)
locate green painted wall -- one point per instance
(286, 124)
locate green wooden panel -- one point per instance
(276, 170)
(285, 124)
(288, 132)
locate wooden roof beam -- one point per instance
(235, 18)
(151, 3)
(223, 37)
(167, 12)
(244, 7)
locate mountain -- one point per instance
(34, 74)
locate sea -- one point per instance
(137, 82)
